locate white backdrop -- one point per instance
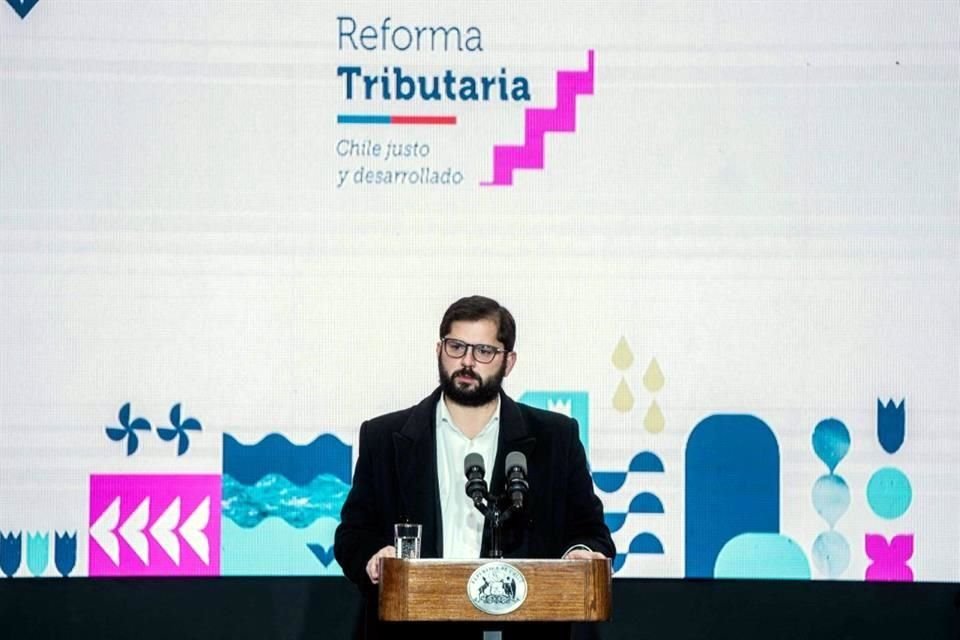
(762, 197)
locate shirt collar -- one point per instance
(443, 416)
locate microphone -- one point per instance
(517, 485)
(476, 486)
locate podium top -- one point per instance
(459, 590)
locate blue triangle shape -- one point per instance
(22, 7)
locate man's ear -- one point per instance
(511, 360)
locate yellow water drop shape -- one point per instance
(622, 398)
(653, 378)
(654, 421)
(622, 356)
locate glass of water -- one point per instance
(406, 539)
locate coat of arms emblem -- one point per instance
(497, 588)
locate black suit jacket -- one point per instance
(395, 480)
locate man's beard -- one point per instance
(484, 392)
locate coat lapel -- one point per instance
(514, 436)
(416, 463)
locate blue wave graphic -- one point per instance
(643, 462)
(275, 496)
(300, 464)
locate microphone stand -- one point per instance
(489, 506)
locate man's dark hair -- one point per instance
(475, 308)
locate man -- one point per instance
(410, 465)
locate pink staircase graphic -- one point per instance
(562, 118)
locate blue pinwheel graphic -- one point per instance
(128, 429)
(179, 429)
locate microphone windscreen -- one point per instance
(473, 460)
(516, 459)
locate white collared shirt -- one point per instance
(462, 523)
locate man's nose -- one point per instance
(468, 359)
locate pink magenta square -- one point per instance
(154, 525)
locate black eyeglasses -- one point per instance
(482, 353)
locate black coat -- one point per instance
(395, 480)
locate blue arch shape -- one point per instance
(733, 486)
(646, 461)
(646, 502)
(618, 561)
(646, 542)
(609, 481)
(766, 556)
(614, 521)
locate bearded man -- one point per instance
(410, 468)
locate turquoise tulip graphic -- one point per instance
(38, 552)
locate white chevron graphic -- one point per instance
(132, 531)
(102, 531)
(162, 531)
(192, 530)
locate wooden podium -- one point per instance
(432, 590)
